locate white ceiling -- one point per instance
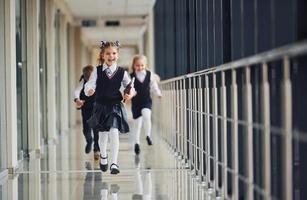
(108, 8)
(131, 14)
(126, 35)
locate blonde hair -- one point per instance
(103, 47)
(136, 58)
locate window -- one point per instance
(2, 88)
(21, 79)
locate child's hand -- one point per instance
(130, 95)
(90, 92)
(79, 103)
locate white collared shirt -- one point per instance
(112, 67)
(140, 75)
(91, 84)
(78, 89)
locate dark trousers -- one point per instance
(87, 131)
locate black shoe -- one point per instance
(88, 146)
(137, 149)
(103, 168)
(114, 170)
(149, 142)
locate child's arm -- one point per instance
(79, 103)
(154, 88)
(90, 86)
(125, 82)
(78, 90)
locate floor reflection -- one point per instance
(64, 172)
(144, 186)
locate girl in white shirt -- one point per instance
(144, 84)
(109, 115)
(86, 105)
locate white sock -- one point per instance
(146, 113)
(103, 141)
(137, 125)
(114, 140)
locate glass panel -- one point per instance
(57, 70)
(68, 75)
(2, 88)
(21, 79)
(43, 71)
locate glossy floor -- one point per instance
(65, 172)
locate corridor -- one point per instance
(64, 172)
(223, 82)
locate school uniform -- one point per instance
(143, 84)
(141, 106)
(86, 112)
(109, 112)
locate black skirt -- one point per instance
(109, 116)
(137, 109)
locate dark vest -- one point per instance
(107, 89)
(89, 101)
(142, 89)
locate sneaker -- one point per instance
(96, 155)
(137, 149)
(149, 142)
(103, 167)
(114, 168)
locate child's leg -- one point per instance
(137, 125)
(146, 113)
(114, 141)
(87, 131)
(103, 140)
(96, 140)
(96, 145)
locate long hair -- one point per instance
(136, 58)
(103, 46)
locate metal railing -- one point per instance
(219, 121)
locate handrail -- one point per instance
(200, 120)
(291, 50)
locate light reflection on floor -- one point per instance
(64, 172)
